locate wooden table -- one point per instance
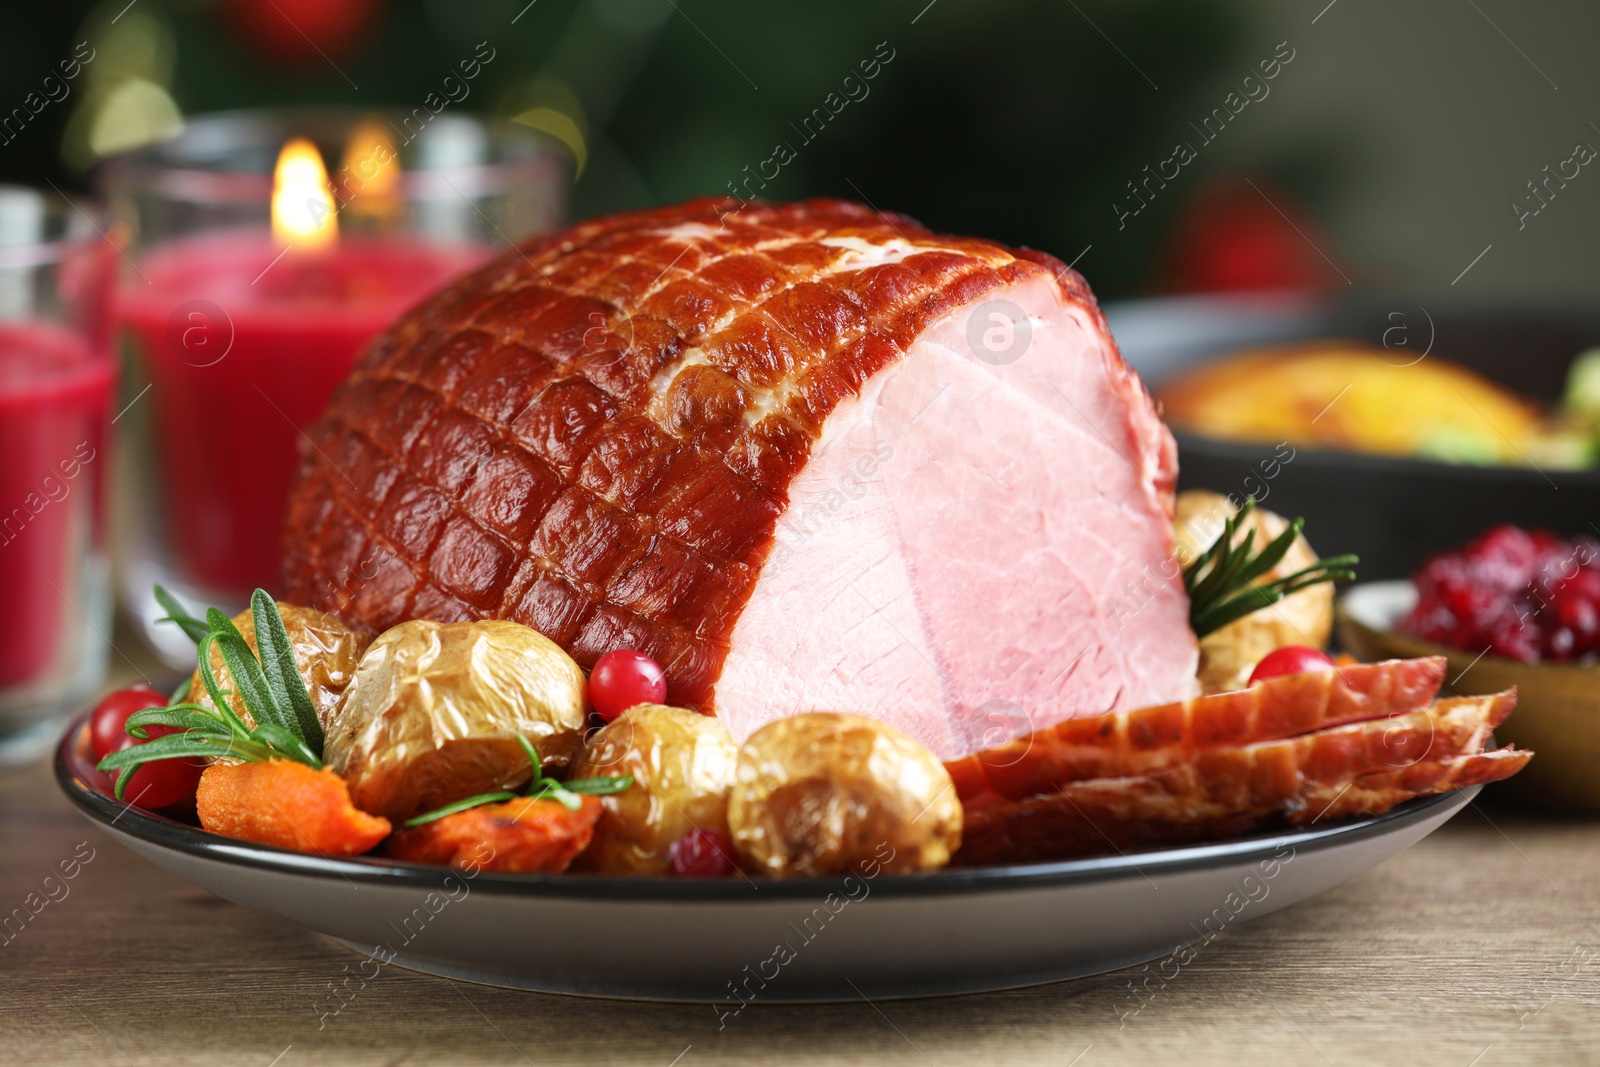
(1477, 947)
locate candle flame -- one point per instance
(302, 203)
(370, 172)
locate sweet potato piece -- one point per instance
(527, 835)
(287, 804)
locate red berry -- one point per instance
(701, 854)
(164, 782)
(1575, 610)
(1525, 595)
(107, 725)
(623, 678)
(1559, 643)
(1586, 584)
(1516, 642)
(1290, 659)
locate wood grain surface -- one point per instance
(1478, 946)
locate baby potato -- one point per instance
(682, 766)
(825, 793)
(435, 709)
(326, 652)
(1229, 654)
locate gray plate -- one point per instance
(733, 941)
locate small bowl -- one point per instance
(1558, 704)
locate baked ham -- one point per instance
(807, 456)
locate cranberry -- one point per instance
(1506, 556)
(164, 782)
(701, 854)
(1574, 610)
(1521, 594)
(1515, 642)
(108, 722)
(1586, 584)
(623, 678)
(1290, 659)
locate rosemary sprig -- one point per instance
(179, 615)
(282, 675)
(540, 786)
(1218, 581)
(271, 687)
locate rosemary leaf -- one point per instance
(1316, 579)
(214, 690)
(1220, 615)
(283, 677)
(179, 615)
(286, 744)
(1315, 568)
(169, 746)
(551, 791)
(599, 787)
(1220, 579)
(249, 681)
(187, 745)
(533, 758)
(460, 805)
(1273, 554)
(1216, 560)
(1230, 558)
(183, 716)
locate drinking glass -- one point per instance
(56, 394)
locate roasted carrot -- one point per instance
(527, 835)
(287, 804)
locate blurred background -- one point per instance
(1395, 141)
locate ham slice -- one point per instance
(1358, 768)
(808, 456)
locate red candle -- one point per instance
(244, 349)
(54, 394)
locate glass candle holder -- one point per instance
(267, 249)
(56, 393)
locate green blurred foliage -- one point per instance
(1014, 119)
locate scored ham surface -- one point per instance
(808, 456)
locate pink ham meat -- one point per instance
(808, 456)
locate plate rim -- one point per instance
(192, 841)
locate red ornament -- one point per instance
(297, 33)
(1231, 237)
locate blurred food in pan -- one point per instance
(1356, 397)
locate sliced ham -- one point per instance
(809, 457)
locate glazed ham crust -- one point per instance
(596, 434)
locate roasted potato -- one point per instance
(825, 793)
(682, 765)
(435, 709)
(325, 650)
(1228, 655)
